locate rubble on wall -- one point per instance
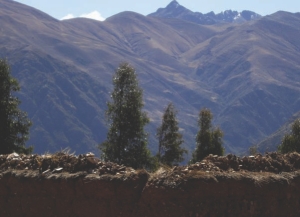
(271, 162)
(61, 162)
(260, 169)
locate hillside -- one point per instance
(247, 74)
(274, 140)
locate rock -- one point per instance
(13, 156)
(46, 171)
(92, 160)
(57, 170)
(90, 154)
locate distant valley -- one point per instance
(246, 72)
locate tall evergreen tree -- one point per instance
(291, 142)
(169, 138)
(126, 141)
(208, 140)
(14, 124)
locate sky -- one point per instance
(102, 9)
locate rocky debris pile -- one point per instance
(223, 165)
(61, 162)
(271, 162)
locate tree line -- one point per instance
(127, 140)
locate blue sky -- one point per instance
(101, 9)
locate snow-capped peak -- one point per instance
(237, 16)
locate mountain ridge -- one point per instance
(246, 73)
(175, 10)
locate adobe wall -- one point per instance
(249, 194)
(69, 185)
(27, 193)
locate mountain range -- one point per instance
(247, 73)
(175, 10)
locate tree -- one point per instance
(14, 124)
(208, 140)
(169, 138)
(253, 150)
(291, 142)
(126, 141)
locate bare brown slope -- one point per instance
(72, 62)
(62, 101)
(247, 74)
(254, 69)
(139, 40)
(274, 140)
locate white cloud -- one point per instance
(95, 15)
(69, 16)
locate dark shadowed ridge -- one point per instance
(247, 74)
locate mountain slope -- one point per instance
(255, 70)
(274, 140)
(247, 74)
(65, 69)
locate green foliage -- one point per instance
(14, 124)
(169, 138)
(291, 142)
(126, 141)
(208, 140)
